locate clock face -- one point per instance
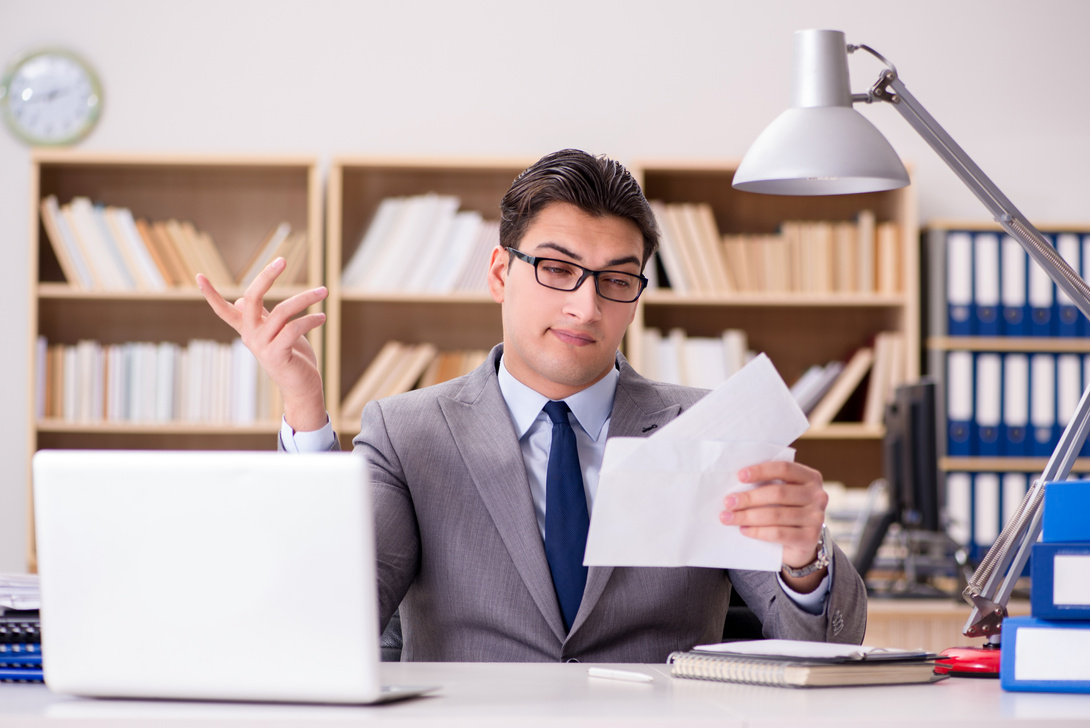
(50, 97)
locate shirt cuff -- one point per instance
(813, 602)
(316, 441)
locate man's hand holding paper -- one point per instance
(715, 488)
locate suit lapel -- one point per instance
(482, 431)
(638, 411)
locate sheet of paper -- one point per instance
(659, 498)
(811, 650)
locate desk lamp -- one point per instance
(821, 146)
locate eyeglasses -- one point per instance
(563, 275)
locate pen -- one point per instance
(619, 674)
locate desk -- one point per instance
(538, 695)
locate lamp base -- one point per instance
(969, 662)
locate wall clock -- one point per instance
(50, 97)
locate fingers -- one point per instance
(778, 470)
(221, 307)
(301, 326)
(252, 304)
(787, 507)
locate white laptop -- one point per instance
(208, 576)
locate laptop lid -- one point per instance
(207, 575)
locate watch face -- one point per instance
(50, 97)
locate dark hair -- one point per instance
(597, 185)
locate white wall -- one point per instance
(633, 79)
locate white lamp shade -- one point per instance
(820, 146)
(828, 150)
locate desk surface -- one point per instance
(533, 695)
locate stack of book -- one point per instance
(694, 361)
(20, 629)
(400, 367)
(1049, 651)
(823, 394)
(422, 244)
(201, 381)
(805, 257)
(106, 248)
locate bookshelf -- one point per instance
(795, 328)
(1001, 344)
(236, 201)
(359, 321)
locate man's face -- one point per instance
(560, 342)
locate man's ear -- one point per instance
(497, 273)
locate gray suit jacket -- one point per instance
(460, 551)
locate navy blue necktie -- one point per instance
(566, 517)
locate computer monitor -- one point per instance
(910, 468)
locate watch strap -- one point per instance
(821, 561)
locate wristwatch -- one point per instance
(824, 556)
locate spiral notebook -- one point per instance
(798, 664)
(208, 576)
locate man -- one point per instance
(482, 484)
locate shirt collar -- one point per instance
(590, 406)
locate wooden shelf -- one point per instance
(1077, 345)
(845, 431)
(359, 323)
(665, 297)
(63, 291)
(1005, 464)
(236, 200)
(269, 428)
(796, 330)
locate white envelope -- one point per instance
(659, 498)
(658, 504)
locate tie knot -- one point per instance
(557, 411)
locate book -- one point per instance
(363, 391)
(103, 258)
(879, 390)
(799, 664)
(849, 380)
(814, 383)
(410, 367)
(671, 252)
(20, 630)
(866, 244)
(69, 255)
(889, 260)
(171, 263)
(703, 220)
(1044, 656)
(21, 674)
(265, 253)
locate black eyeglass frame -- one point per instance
(587, 273)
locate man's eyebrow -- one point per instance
(578, 258)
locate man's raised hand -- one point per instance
(278, 341)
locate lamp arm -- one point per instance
(891, 89)
(992, 583)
